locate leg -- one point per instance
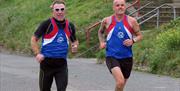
(124, 70)
(120, 69)
(61, 78)
(45, 80)
(119, 78)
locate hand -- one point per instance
(74, 46)
(128, 42)
(39, 57)
(102, 45)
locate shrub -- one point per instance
(166, 50)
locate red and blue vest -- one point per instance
(117, 32)
(55, 44)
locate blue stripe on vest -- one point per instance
(115, 47)
(58, 48)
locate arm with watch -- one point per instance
(137, 33)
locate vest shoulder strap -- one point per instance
(66, 29)
(127, 25)
(55, 29)
(112, 24)
(125, 22)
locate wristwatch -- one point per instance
(134, 40)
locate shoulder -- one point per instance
(71, 24)
(45, 22)
(131, 20)
(107, 21)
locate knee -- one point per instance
(120, 84)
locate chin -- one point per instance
(60, 18)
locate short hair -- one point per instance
(114, 1)
(57, 2)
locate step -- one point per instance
(177, 4)
(176, 1)
(166, 14)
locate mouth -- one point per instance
(59, 15)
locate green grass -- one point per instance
(20, 18)
(159, 50)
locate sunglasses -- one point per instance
(61, 9)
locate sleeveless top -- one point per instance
(55, 44)
(117, 32)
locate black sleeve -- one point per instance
(42, 29)
(73, 32)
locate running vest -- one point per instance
(117, 32)
(55, 44)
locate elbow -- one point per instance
(33, 40)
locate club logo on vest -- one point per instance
(60, 39)
(120, 35)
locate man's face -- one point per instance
(119, 6)
(59, 11)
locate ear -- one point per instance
(113, 7)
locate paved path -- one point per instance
(19, 73)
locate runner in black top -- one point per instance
(56, 33)
(46, 27)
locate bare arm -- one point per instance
(35, 48)
(138, 35)
(137, 32)
(34, 45)
(101, 32)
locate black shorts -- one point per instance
(125, 65)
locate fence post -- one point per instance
(157, 18)
(174, 12)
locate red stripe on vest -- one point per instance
(113, 23)
(55, 29)
(126, 24)
(66, 30)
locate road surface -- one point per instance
(20, 73)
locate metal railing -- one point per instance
(156, 13)
(137, 2)
(138, 10)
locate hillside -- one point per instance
(19, 19)
(160, 50)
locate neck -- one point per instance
(119, 17)
(61, 20)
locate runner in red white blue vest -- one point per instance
(56, 33)
(121, 32)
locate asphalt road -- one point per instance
(20, 73)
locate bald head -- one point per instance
(118, 1)
(119, 7)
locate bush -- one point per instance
(164, 58)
